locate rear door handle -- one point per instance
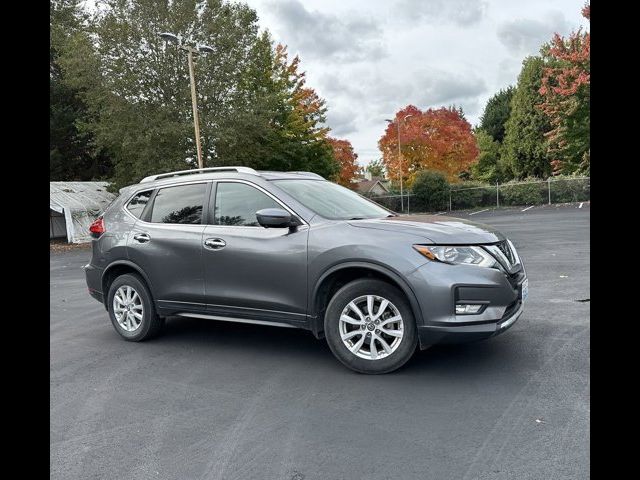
(142, 237)
(214, 243)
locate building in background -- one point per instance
(73, 206)
(370, 186)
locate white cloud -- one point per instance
(525, 35)
(326, 35)
(370, 58)
(459, 12)
(342, 122)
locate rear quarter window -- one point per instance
(138, 202)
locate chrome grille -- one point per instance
(505, 253)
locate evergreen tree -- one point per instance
(487, 167)
(496, 113)
(524, 151)
(71, 152)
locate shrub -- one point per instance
(533, 192)
(565, 189)
(472, 194)
(430, 192)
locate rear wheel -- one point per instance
(370, 327)
(131, 309)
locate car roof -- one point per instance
(216, 173)
(271, 175)
(213, 173)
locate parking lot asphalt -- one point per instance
(219, 400)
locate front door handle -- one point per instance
(142, 237)
(214, 243)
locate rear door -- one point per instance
(251, 271)
(166, 242)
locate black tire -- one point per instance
(151, 324)
(359, 288)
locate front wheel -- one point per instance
(369, 327)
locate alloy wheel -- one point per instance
(128, 308)
(371, 327)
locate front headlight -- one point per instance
(457, 255)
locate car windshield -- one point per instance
(331, 200)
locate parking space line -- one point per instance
(485, 210)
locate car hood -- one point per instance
(435, 229)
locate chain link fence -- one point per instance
(560, 190)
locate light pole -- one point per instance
(170, 37)
(400, 157)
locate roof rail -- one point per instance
(309, 174)
(193, 171)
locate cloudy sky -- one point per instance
(369, 58)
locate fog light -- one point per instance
(467, 309)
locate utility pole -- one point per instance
(400, 159)
(170, 37)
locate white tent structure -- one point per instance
(73, 206)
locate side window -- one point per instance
(237, 204)
(181, 204)
(138, 202)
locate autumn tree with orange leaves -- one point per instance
(435, 139)
(566, 91)
(346, 158)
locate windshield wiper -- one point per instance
(356, 218)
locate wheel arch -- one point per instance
(338, 275)
(118, 268)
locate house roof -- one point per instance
(365, 186)
(359, 178)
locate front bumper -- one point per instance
(439, 287)
(432, 334)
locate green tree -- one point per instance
(524, 152)
(301, 141)
(430, 190)
(249, 98)
(376, 168)
(71, 152)
(496, 113)
(138, 88)
(487, 167)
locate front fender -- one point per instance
(373, 265)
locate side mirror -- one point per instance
(275, 218)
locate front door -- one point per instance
(252, 272)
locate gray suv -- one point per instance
(294, 250)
